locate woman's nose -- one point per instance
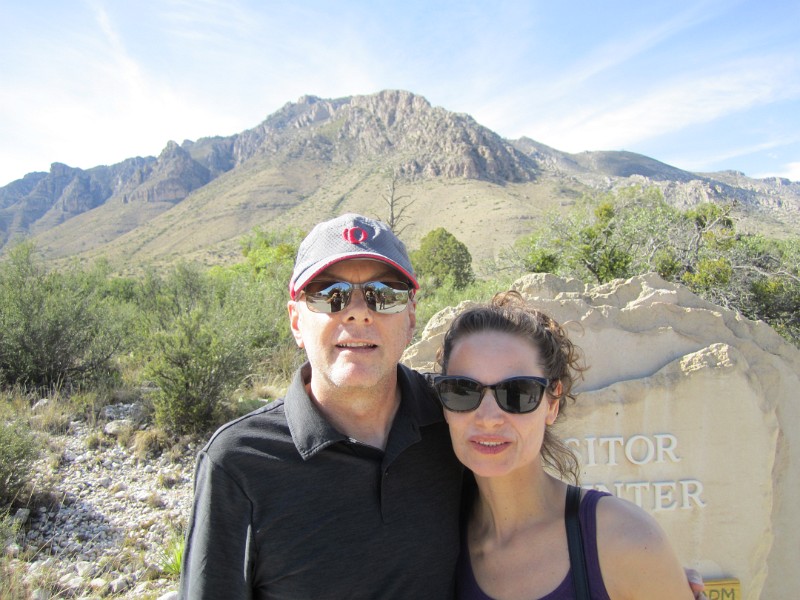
(488, 409)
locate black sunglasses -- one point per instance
(388, 297)
(515, 395)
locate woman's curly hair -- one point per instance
(561, 359)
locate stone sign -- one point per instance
(688, 410)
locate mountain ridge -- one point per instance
(315, 157)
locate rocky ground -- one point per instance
(112, 515)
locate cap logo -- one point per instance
(355, 235)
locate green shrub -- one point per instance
(207, 332)
(195, 364)
(55, 326)
(442, 257)
(18, 449)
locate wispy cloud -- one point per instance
(790, 171)
(209, 21)
(619, 120)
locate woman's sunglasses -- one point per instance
(387, 297)
(515, 395)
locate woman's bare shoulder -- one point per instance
(636, 557)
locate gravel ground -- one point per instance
(111, 520)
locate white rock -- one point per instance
(115, 428)
(40, 405)
(84, 568)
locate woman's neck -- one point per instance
(514, 502)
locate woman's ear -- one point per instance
(553, 401)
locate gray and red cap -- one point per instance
(348, 237)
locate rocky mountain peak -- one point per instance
(173, 177)
(393, 127)
(172, 151)
(353, 138)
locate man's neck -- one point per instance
(363, 415)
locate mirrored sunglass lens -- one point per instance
(459, 395)
(386, 297)
(330, 299)
(519, 395)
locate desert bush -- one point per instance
(18, 449)
(150, 443)
(206, 333)
(55, 326)
(194, 364)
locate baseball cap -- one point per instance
(348, 237)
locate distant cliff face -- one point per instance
(391, 130)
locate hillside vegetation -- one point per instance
(204, 338)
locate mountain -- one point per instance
(315, 158)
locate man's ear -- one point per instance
(294, 322)
(412, 320)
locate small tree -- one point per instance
(269, 253)
(396, 206)
(442, 258)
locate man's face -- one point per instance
(355, 347)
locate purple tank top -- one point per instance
(467, 588)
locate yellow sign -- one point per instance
(723, 589)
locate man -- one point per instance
(348, 486)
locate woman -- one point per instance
(507, 373)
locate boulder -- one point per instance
(689, 410)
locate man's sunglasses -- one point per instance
(387, 297)
(515, 395)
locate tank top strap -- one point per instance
(587, 515)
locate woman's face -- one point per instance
(488, 440)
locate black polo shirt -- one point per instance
(287, 507)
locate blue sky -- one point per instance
(702, 85)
